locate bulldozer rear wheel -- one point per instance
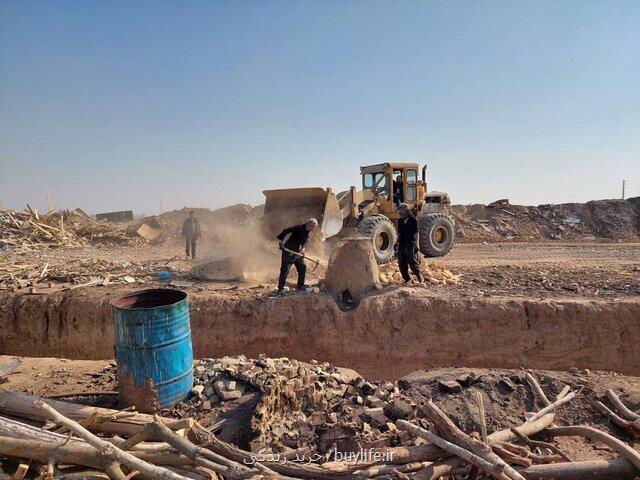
(383, 236)
(436, 234)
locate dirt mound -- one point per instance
(352, 270)
(602, 220)
(311, 406)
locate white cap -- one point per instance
(311, 221)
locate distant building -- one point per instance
(123, 216)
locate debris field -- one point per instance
(315, 420)
(271, 418)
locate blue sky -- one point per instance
(110, 105)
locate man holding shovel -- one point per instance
(292, 251)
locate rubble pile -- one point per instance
(28, 231)
(38, 278)
(432, 272)
(302, 404)
(318, 421)
(603, 220)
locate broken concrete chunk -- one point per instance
(375, 417)
(197, 389)
(221, 388)
(374, 402)
(398, 409)
(449, 386)
(465, 379)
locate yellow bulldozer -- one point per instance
(371, 211)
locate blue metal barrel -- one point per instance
(153, 348)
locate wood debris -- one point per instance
(432, 272)
(119, 443)
(28, 231)
(34, 278)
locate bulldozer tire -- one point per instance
(436, 234)
(383, 236)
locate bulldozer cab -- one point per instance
(392, 184)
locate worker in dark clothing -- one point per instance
(408, 244)
(398, 190)
(191, 232)
(298, 236)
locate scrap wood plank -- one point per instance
(21, 405)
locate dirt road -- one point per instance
(540, 270)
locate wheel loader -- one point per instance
(371, 211)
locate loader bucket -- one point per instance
(293, 206)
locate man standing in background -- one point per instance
(191, 232)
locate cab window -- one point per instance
(377, 180)
(412, 190)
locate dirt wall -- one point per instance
(386, 336)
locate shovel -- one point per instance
(302, 255)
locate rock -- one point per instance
(374, 402)
(375, 417)
(449, 386)
(516, 378)
(405, 292)
(507, 384)
(465, 379)
(389, 386)
(398, 409)
(221, 387)
(197, 389)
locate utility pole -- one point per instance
(623, 185)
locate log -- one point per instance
(21, 405)
(553, 406)
(454, 449)
(108, 451)
(483, 420)
(627, 425)
(16, 429)
(622, 448)
(537, 388)
(621, 407)
(77, 454)
(200, 436)
(509, 456)
(618, 469)
(390, 469)
(539, 444)
(218, 463)
(527, 428)
(437, 470)
(451, 432)
(71, 453)
(563, 393)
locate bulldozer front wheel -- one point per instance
(382, 234)
(436, 234)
